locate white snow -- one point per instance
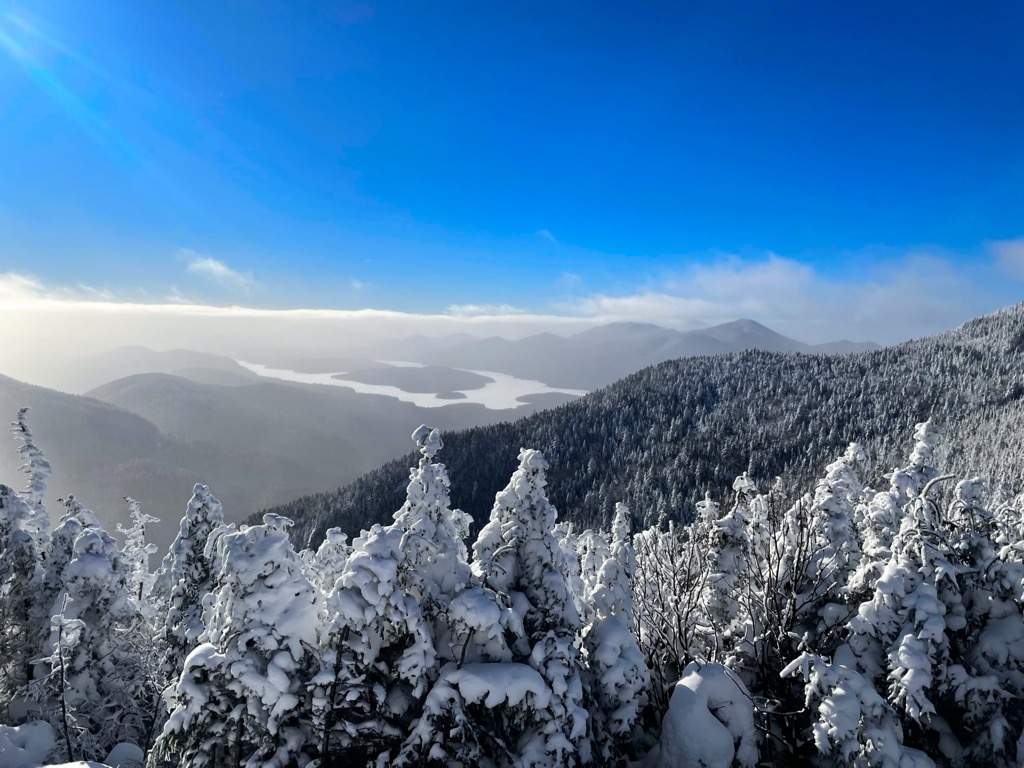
(495, 684)
(25, 745)
(710, 721)
(126, 755)
(502, 392)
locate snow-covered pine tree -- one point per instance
(726, 580)
(834, 544)
(390, 617)
(325, 564)
(900, 631)
(136, 551)
(378, 653)
(936, 637)
(59, 553)
(617, 670)
(242, 696)
(593, 550)
(37, 470)
(96, 690)
(517, 554)
(434, 568)
(854, 724)
(20, 591)
(574, 551)
(184, 579)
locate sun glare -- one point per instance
(49, 63)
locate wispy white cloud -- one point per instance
(17, 287)
(218, 272)
(545, 234)
(357, 285)
(27, 292)
(1009, 256)
(916, 295)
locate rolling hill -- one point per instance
(153, 436)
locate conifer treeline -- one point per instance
(860, 628)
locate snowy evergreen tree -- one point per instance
(727, 575)
(854, 726)
(20, 591)
(390, 617)
(470, 714)
(434, 568)
(379, 653)
(38, 471)
(95, 690)
(517, 554)
(242, 697)
(185, 578)
(618, 675)
(59, 553)
(325, 564)
(136, 551)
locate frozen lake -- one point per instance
(502, 392)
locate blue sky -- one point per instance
(552, 158)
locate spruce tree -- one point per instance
(242, 696)
(95, 690)
(185, 578)
(20, 593)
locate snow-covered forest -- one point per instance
(870, 618)
(662, 439)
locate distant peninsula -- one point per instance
(428, 379)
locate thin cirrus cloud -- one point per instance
(217, 272)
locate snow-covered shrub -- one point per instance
(854, 724)
(667, 589)
(480, 715)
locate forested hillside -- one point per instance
(663, 437)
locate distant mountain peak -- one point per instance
(744, 323)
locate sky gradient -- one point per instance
(849, 170)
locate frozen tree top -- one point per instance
(428, 440)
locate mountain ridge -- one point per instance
(662, 437)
